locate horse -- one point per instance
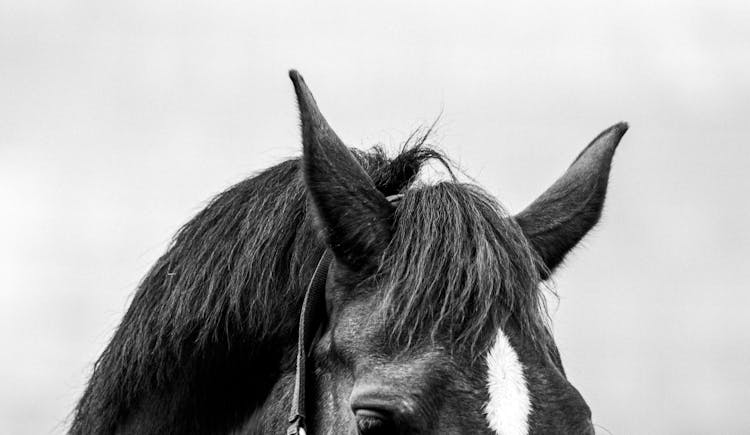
(431, 315)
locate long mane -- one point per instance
(212, 325)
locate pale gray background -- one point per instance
(119, 120)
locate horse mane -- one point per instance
(457, 268)
(213, 323)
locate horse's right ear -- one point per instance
(565, 212)
(354, 217)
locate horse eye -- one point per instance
(374, 422)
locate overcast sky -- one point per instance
(119, 120)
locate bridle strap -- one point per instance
(312, 306)
(313, 303)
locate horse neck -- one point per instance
(213, 326)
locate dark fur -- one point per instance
(556, 221)
(212, 324)
(457, 267)
(208, 339)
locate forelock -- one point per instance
(457, 268)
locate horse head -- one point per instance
(434, 319)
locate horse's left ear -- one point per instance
(354, 216)
(556, 221)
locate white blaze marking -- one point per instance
(509, 405)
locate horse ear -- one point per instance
(556, 221)
(354, 217)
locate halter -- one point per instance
(313, 308)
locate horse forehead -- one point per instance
(509, 404)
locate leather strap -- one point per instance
(313, 304)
